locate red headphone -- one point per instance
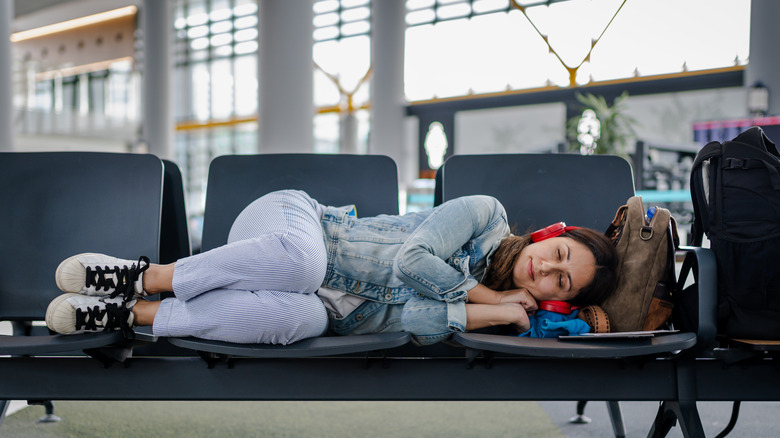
(553, 230)
(556, 306)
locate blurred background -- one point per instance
(418, 80)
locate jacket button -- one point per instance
(359, 317)
(388, 296)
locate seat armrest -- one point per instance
(706, 275)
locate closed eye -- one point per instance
(568, 259)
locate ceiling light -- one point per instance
(73, 24)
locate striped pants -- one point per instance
(259, 288)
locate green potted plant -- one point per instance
(610, 135)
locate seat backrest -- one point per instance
(174, 234)
(368, 181)
(541, 189)
(57, 204)
(437, 189)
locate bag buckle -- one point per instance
(736, 163)
(646, 232)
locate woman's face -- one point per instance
(554, 269)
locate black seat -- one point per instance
(57, 204)
(174, 244)
(368, 181)
(538, 190)
(174, 236)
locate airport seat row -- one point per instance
(59, 204)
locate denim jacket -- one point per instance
(414, 270)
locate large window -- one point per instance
(216, 59)
(76, 81)
(454, 48)
(215, 53)
(460, 47)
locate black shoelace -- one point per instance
(115, 315)
(125, 278)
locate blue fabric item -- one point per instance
(546, 324)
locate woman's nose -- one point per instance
(546, 267)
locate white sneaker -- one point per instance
(71, 314)
(102, 275)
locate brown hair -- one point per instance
(498, 275)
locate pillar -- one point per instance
(764, 63)
(388, 106)
(158, 120)
(348, 127)
(285, 76)
(6, 73)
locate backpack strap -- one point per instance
(687, 264)
(673, 242)
(713, 149)
(752, 158)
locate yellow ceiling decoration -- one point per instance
(572, 70)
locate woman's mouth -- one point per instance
(531, 269)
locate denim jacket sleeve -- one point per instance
(474, 222)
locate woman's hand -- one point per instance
(519, 296)
(487, 315)
(487, 307)
(517, 316)
(481, 294)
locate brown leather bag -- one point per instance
(642, 300)
(596, 318)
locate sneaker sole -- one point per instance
(71, 275)
(56, 319)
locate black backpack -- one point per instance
(735, 186)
